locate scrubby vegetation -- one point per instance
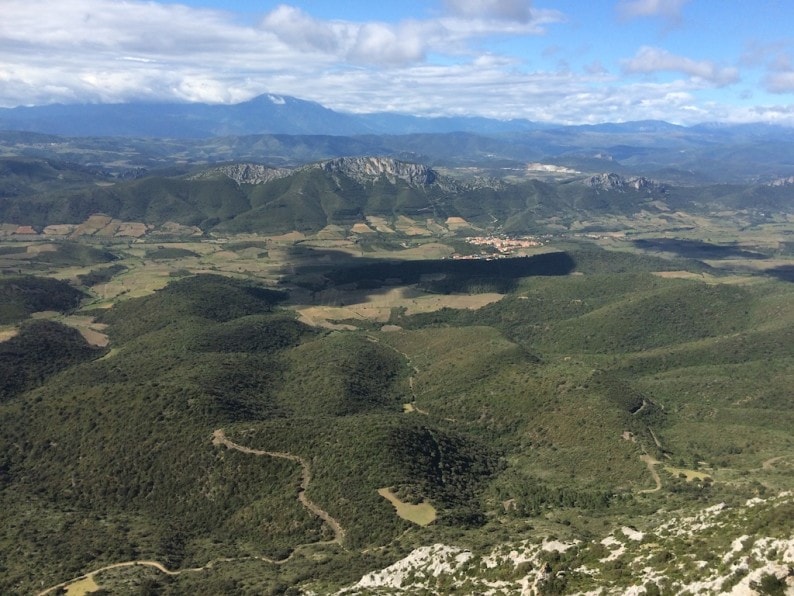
(282, 349)
(22, 295)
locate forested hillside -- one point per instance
(574, 397)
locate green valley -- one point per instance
(338, 377)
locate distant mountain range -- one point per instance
(286, 131)
(265, 114)
(282, 114)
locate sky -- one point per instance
(562, 61)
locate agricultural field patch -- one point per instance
(378, 307)
(687, 474)
(82, 587)
(420, 514)
(8, 333)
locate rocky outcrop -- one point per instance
(617, 182)
(788, 181)
(245, 173)
(368, 169)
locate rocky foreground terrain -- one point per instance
(721, 549)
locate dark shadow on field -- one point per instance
(696, 249)
(783, 273)
(322, 269)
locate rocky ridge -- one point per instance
(788, 181)
(616, 182)
(368, 169)
(245, 173)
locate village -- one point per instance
(505, 246)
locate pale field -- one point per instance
(431, 250)
(332, 232)
(751, 264)
(380, 224)
(362, 228)
(710, 279)
(111, 354)
(7, 333)
(145, 275)
(409, 227)
(35, 249)
(690, 474)
(82, 587)
(455, 224)
(378, 306)
(422, 514)
(91, 331)
(435, 228)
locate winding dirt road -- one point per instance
(770, 463)
(159, 566)
(414, 407)
(651, 463)
(219, 438)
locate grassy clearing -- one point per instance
(690, 475)
(91, 332)
(380, 224)
(321, 316)
(82, 587)
(8, 333)
(709, 279)
(422, 514)
(378, 307)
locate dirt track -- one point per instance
(159, 566)
(770, 463)
(219, 438)
(651, 463)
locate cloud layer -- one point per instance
(456, 61)
(651, 60)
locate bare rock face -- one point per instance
(246, 173)
(617, 182)
(788, 181)
(367, 169)
(361, 169)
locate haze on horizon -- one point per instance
(683, 61)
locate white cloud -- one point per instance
(407, 42)
(296, 28)
(776, 58)
(780, 82)
(668, 9)
(381, 44)
(651, 60)
(110, 51)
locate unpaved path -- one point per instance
(414, 407)
(651, 463)
(769, 464)
(219, 438)
(159, 566)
